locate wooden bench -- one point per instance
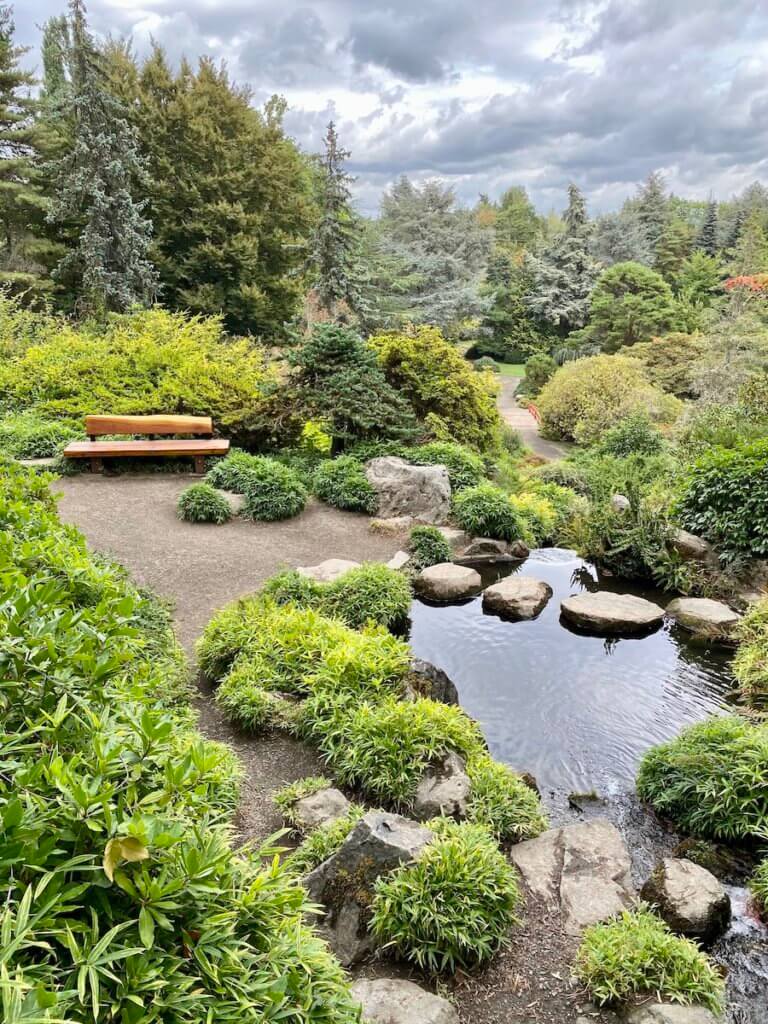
(151, 426)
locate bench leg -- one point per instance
(97, 466)
(200, 464)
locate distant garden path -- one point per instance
(524, 423)
(200, 568)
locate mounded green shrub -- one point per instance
(272, 491)
(750, 666)
(635, 435)
(486, 511)
(342, 483)
(428, 547)
(26, 435)
(636, 954)
(537, 515)
(465, 467)
(539, 368)
(502, 801)
(453, 907)
(724, 497)
(249, 696)
(712, 780)
(201, 503)
(231, 473)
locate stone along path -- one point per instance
(525, 423)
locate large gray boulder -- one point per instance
(692, 548)
(612, 614)
(689, 898)
(343, 884)
(486, 547)
(427, 680)
(516, 597)
(703, 615)
(405, 490)
(443, 790)
(320, 808)
(448, 582)
(395, 1001)
(671, 1013)
(327, 571)
(583, 870)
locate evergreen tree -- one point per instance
(735, 230)
(707, 240)
(673, 248)
(517, 223)
(750, 256)
(94, 180)
(564, 274)
(653, 207)
(336, 236)
(507, 330)
(24, 251)
(621, 238)
(630, 303)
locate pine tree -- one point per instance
(507, 331)
(565, 272)
(707, 240)
(673, 248)
(94, 179)
(750, 255)
(336, 237)
(24, 250)
(517, 223)
(620, 238)
(653, 207)
(736, 228)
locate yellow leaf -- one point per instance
(122, 848)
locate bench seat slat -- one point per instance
(113, 449)
(95, 425)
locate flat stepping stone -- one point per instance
(448, 582)
(671, 1013)
(327, 571)
(703, 615)
(612, 614)
(516, 597)
(396, 1001)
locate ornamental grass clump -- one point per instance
(486, 511)
(248, 697)
(453, 907)
(202, 503)
(272, 491)
(231, 472)
(750, 666)
(712, 780)
(428, 547)
(503, 802)
(343, 484)
(637, 955)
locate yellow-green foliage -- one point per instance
(150, 361)
(501, 800)
(751, 662)
(454, 401)
(538, 515)
(588, 396)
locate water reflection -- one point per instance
(576, 710)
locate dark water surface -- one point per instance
(578, 711)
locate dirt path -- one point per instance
(524, 423)
(200, 568)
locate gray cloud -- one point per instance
(493, 93)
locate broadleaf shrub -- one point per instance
(454, 906)
(26, 435)
(636, 954)
(635, 435)
(201, 503)
(342, 483)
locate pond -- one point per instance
(577, 711)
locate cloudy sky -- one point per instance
(490, 93)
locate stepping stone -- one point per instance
(703, 615)
(327, 571)
(671, 1013)
(448, 582)
(689, 898)
(482, 547)
(395, 1001)
(516, 597)
(612, 614)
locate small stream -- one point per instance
(579, 712)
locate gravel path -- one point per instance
(201, 567)
(524, 423)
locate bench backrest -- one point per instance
(96, 426)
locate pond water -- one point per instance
(577, 711)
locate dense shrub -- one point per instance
(428, 547)
(201, 503)
(453, 907)
(370, 593)
(246, 699)
(721, 425)
(28, 436)
(486, 363)
(588, 396)
(272, 491)
(486, 511)
(148, 361)
(385, 747)
(453, 401)
(670, 362)
(538, 370)
(342, 483)
(121, 843)
(502, 801)
(630, 303)
(537, 516)
(637, 955)
(724, 497)
(231, 473)
(565, 503)
(712, 780)
(635, 435)
(750, 665)
(465, 467)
